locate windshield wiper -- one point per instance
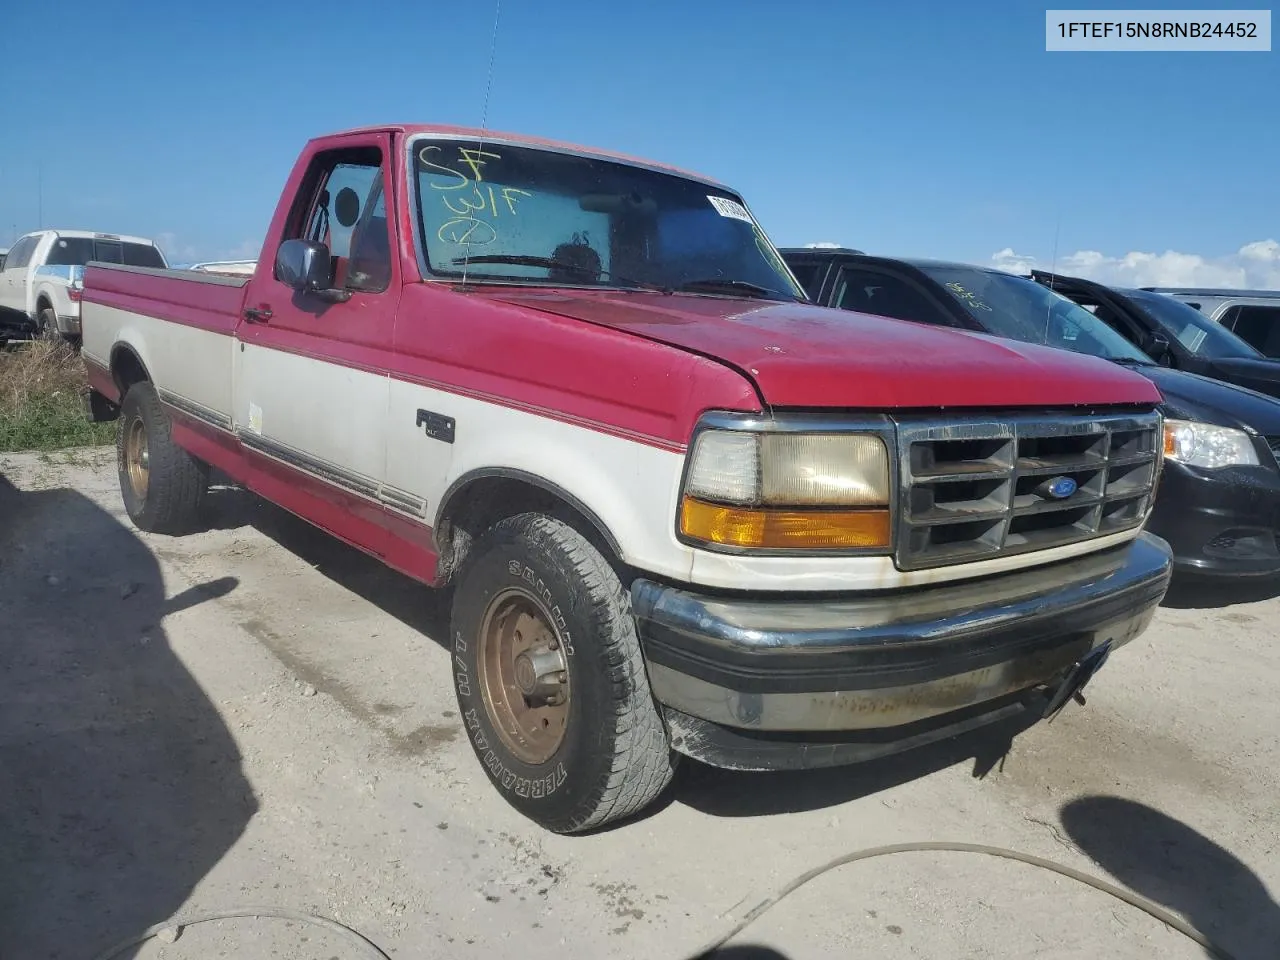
(1132, 362)
(550, 263)
(739, 287)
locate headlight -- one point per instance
(824, 491)
(1205, 445)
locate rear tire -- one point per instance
(534, 584)
(162, 485)
(47, 325)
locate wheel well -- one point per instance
(43, 303)
(126, 370)
(478, 504)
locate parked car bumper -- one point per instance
(69, 326)
(790, 682)
(1220, 522)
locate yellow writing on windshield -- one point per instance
(463, 225)
(968, 296)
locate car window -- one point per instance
(1256, 325)
(20, 255)
(1198, 335)
(886, 295)
(348, 216)
(503, 213)
(77, 251)
(808, 273)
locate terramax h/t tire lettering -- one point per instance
(613, 756)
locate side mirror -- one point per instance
(304, 266)
(1157, 345)
(307, 267)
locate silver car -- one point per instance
(1252, 315)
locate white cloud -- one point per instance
(1254, 266)
(824, 245)
(174, 250)
(244, 250)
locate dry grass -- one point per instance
(41, 399)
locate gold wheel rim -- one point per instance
(524, 676)
(137, 458)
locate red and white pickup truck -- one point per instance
(681, 510)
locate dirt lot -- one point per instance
(257, 715)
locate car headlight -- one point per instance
(808, 491)
(1206, 445)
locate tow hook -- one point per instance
(1077, 677)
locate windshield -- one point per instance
(78, 251)
(1199, 335)
(512, 214)
(1022, 309)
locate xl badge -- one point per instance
(1060, 488)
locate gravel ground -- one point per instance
(257, 715)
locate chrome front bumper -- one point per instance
(872, 661)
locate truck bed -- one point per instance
(179, 324)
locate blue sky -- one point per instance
(939, 129)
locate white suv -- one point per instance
(43, 273)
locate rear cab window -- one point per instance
(78, 251)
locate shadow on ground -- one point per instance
(120, 786)
(1209, 593)
(714, 791)
(1167, 861)
(418, 607)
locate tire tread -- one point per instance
(178, 481)
(642, 761)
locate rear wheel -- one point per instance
(162, 485)
(550, 679)
(47, 325)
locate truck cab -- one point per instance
(682, 510)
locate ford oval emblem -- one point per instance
(1061, 487)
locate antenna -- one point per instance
(484, 111)
(1053, 274)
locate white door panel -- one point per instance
(329, 412)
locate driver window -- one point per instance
(348, 215)
(866, 291)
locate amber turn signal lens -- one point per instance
(781, 529)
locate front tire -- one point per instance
(550, 679)
(162, 485)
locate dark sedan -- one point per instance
(1218, 503)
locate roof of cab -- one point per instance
(419, 129)
(92, 234)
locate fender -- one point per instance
(505, 473)
(628, 490)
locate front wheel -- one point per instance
(162, 485)
(550, 679)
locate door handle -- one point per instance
(257, 314)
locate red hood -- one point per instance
(801, 355)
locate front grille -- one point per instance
(1274, 444)
(980, 488)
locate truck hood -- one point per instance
(803, 355)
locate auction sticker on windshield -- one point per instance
(730, 208)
